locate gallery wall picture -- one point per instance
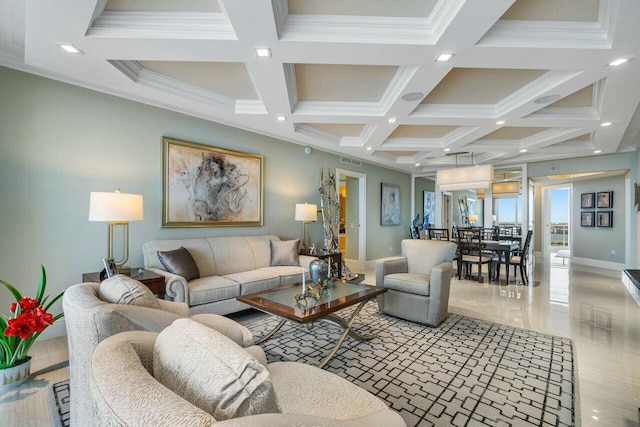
(389, 204)
(587, 201)
(605, 199)
(205, 186)
(587, 219)
(604, 219)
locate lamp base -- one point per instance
(124, 269)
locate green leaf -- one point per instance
(54, 300)
(43, 283)
(16, 294)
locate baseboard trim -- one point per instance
(596, 263)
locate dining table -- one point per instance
(504, 249)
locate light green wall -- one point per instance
(598, 242)
(60, 142)
(584, 245)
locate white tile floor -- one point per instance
(595, 310)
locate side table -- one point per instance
(151, 280)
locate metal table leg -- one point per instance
(270, 334)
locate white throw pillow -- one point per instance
(212, 372)
(121, 289)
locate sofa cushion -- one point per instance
(288, 274)
(410, 283)
(210, 289)
(284, 252)
(121, 289)
(255, 280)
(209, 370)
(180, 262)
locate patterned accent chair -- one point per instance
(193, 376)
(418, 281)
(89, 320)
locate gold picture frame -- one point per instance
(205, 186)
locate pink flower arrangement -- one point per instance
(29, 318)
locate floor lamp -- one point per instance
(117, 209)
(306, 213)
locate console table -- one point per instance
(151, 280)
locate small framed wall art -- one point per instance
(587, 201)
(605, 199)
(604, 219)
(390, 204)
(586, 219)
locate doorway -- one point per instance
(557, 236)
(354, 212)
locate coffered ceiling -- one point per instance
(528, 80)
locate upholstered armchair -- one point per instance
(417, 282)
(91, 316)
(189, 375)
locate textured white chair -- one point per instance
(90, 319)
(417, 282)
(189, 375)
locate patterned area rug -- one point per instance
(61, 395)
(464, 372)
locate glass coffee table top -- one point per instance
(282, 302)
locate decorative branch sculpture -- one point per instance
(330, 207)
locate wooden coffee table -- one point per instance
(281, 302)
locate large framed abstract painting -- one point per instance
(390, 204)
(205, 186)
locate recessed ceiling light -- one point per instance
(281, 118)
(597, 152)
(605, 124)
(618, 61)
(447, 150)
(444, 57)
(392, 120)
(547, 99)
(263, 52)
(413, 96)
(524, 150)
(417, 164)
(501, 122)
(69, 48)
(369, 148)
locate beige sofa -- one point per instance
(189, 375)
(228, 266)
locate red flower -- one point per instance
(24, 325)
(14, 305)
(28, 304)
(44, 316)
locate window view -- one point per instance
(508, 211)
(560, 217)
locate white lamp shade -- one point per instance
(115, 207)
(306, 212)
(468, 178)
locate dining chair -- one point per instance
(438, 233)
(471, 253)
(521, 259)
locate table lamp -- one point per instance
(305, 213)
(473, 218)
(117, 209)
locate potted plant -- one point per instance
(28, 318)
